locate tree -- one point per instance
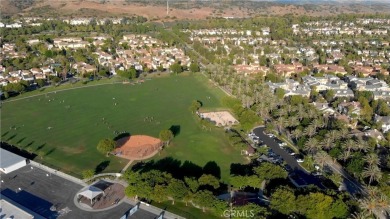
(194, 67)
(177, 190)
(105, 146)
(373, 172)
(192, 184)
(195, 105)
(279, 92)
(329, 95)
(284, 201)
(315, 205)
(40, 82)
(176, 68)
(166, 136)
(204, 199)
(238, 182)
(207, 179)
(372, 159)
(87, 174)
(103, 72)
(312, 146)
(159, 193)
(269, 171)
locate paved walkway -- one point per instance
(127, 166)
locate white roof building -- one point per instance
(10, 162)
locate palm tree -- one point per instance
(301, 113)
(280, 124)
(334, 134)
(372, 159)
(360, 215)
(327, 143)
(310, 131)
(321, 158)
(312, 146)
(345, 155)
(343, 133)
(296, 134)
(349, 145)
(376, 204)
(373, 172)
(362, 145)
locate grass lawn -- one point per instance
(181, 209)
(66, 126)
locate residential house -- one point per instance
(324, 108)
(349, 108)
(384, 121)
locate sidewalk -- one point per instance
(153, 209)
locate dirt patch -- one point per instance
(74, 150)
(221, 118)
(137, 147)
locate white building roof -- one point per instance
(90, 192)
(9, 210)
(9, 159)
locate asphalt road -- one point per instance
(303, 176)
(40, 190)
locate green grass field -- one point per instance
(75, 118)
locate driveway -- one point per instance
(300, 173)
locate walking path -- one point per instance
(127, 166)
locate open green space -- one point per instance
(64, 127)
(181, 209)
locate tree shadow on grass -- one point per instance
(122, 135)
(50, 151)
(240, 169)
(40, 147)
(178, 169)
(175, 129)
(20, 140)
(29, 144)
(102, 166)
(11, 137)
(5, 133)
(212, 168)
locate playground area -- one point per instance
(221, 118)
(137, 147)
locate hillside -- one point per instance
(157, 10)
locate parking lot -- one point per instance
(52, 196)
(278, 154)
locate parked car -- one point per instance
(299, 158)
(289, 151)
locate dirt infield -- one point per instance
(222, 118)
(137, 147)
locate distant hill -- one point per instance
(188, 9)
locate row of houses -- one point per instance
(144, 51)
(26, 75)
(264, 31)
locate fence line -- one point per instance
(58, 173)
